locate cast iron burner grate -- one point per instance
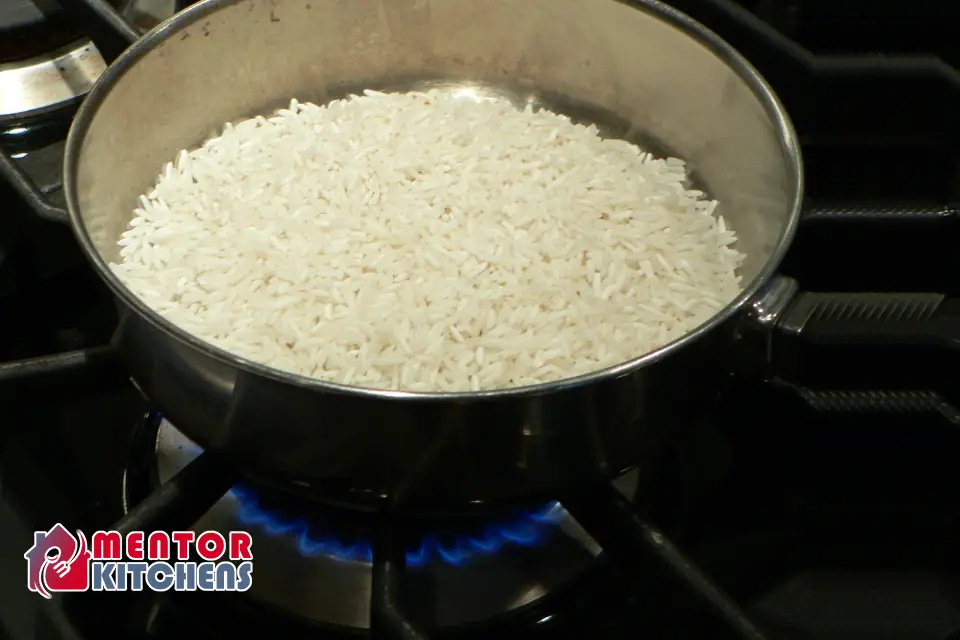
(458, 560)
(604, 513)
(627, 539)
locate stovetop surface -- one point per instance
(825, 514)
(820, 525)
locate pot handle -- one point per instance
(791, 318)
(896, 319)
(112, 34)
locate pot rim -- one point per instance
(163, 32)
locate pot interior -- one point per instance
(640, 71)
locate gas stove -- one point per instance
(817, 502)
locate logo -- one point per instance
(61, 561)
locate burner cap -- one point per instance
(46, 62)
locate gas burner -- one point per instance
(46, 65)
(315, 562)
(38, 84)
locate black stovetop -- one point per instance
(825, 511)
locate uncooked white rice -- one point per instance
(423, 242)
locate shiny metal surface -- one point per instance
(760, 321)
(772, 301)
(641, 70)
(33, 85)
(335, 591)
(59, 78)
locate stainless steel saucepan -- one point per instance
(640, 70)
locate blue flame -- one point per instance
(525, 530)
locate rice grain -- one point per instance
(422, 242)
